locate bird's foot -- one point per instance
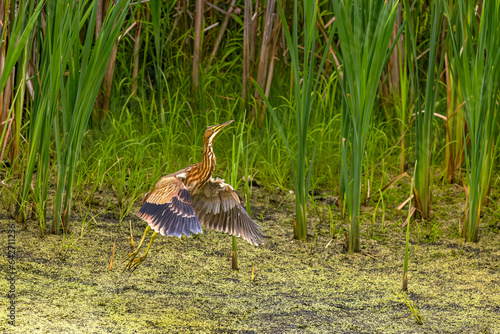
(134, 262)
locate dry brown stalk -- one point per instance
(264, 59)
(198, 23)
(221, 32)
(246, 39)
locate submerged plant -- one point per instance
(415, 312)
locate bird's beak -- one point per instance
(219, 127)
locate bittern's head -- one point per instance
(212, 131)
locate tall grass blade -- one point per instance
(70, 74)
(424, 118)
(407, 243)
(53, 60)
(364, 31)
(455, 125)
(304, 85)
(159, 32)
(78, 96)
(476, 61)
(18, 31)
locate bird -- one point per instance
(181, 202)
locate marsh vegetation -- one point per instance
(364, 142)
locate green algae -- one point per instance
(187, 285)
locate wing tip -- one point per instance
(165, 220)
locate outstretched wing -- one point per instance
(219, 207)
(167, 208)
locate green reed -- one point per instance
(364, 30)
(20, 36)
(305, 85)
(476, 62)
(70, 74)
(424, 118)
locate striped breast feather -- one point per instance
(167, 209)
(219, 207)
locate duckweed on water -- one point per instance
(313, 287)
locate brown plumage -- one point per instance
(183, 201)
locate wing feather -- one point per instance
(168, 210)
(219, 207)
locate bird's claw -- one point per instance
(134, 262)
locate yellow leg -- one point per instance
(139, 260)
(135, 263)
(132, 255)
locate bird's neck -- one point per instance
(208, 160)
(202, 171)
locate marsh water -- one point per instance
(64, 285)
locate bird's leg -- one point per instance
(132, 255)
(139, 260)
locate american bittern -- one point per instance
(179, 202)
